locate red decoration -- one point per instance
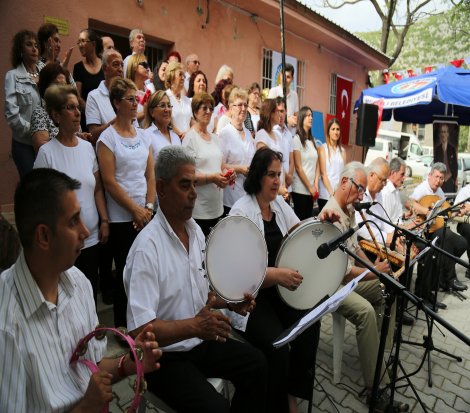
(428, 69)
(343, 106)
(411, 73)
(457, 63)
(386, 76)
(397, 75)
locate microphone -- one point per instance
(326, 248)
(358, 206)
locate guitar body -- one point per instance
(428, 201)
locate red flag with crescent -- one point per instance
(343, 106)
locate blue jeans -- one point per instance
(23, 155)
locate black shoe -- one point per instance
(381, 404)
(456, 285)
(440, 305)
(408, 320)
(429, 305)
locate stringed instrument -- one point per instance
(428, 201)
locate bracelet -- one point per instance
(121, 372)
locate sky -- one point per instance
(362, 17)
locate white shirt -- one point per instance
(309, 159)
(158, 140)
(37, 339)
(236, 152)
(292, 101)
(391, 201)
(130, 157)
(163, 281)
(424, 189)
(223, 122)
(187, 76)
(247, 206)
(263, 136)
(78, 162)
(287, 145)
(181, 113)
(383, 229)
(209, 156)
(99, 110)
(334, 163)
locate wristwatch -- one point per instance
(149, 206)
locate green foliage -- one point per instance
(463, 138)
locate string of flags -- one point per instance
(392, 75)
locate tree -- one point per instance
(397, 16)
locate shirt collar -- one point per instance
(103, 89)
(190, 224)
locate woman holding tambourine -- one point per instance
(290, 370)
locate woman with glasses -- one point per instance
(126, 165)
(291, 369)
(88, 72)
(306, 166)
(238, 146)
(254, 103)
(198, 84)
(206, 149)
(332, 158)
(138, 72)
(67, 153)
(181, 113)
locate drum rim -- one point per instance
(291, 234)
(265, 250)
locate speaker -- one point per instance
(367, 118)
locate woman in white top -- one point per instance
(205, 147)
(225, 119)
(76, 157)
(254, 103)
(126, 165)
(237, 146)
(332, 158)
(181, 113)
(138, 71)
(157, 123)
(306, 167)
(198, 84)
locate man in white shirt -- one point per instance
(167, 286)
(99, 111)
(137, 44)
(453, 243)
(292, 99)
(47, 306)
(391, 200)
(463, 228)
(192, 65)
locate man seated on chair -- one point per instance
(364, 305)
(463, 228)
(47, 306)
(453, 243)
(167, 286)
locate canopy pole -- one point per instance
(283, 53)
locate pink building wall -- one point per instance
(232, 36)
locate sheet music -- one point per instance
(328, 306)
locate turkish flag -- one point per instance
(343, 106)
(457, 63)
(428, 69)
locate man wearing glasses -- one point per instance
(364, 305)
(192, 65)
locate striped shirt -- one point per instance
(37, 339)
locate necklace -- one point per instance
(34, 75)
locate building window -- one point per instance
(333, 94)
(300, 81)
(266, 75)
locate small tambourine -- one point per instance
(136, 354)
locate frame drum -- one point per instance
(299, 252)
(236, 258)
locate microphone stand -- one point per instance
(392, 288)
(427, 343)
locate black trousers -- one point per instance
(291, 368)
(321, 203)
(207, 224)
(181, 380)
(464, 230)
(105, 270)
(121, 237)
(87, 263)
(303, 205)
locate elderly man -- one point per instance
(167, 286)
(108, 43)
(363, 306)
(192, 65)
(391, 200)
(137, 44)
(99, 111)
(453, 243)
(47, 306)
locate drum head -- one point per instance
(236, 258)
(299, 252)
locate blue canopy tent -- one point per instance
(444, 92)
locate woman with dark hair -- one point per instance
(159, 75)
(225, 119)
(254, 102)
(332, 158)
(49, 48)
(198, 84)
(76, 157)
(206, 149)
(88, 72)
(22, 97)
(306, 166)
(126, 165)
(291, 368)
(217, 95)
(43, 127)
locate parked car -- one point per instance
(382, 148)
(419, 166)
(463, 163)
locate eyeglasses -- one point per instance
(164, 106)
(81, 41)
(241, 105)
(360, 188)
(196, 62)
(145, 65)
(382, 180)
(130, 99)
(205, 108)
(71, 107)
